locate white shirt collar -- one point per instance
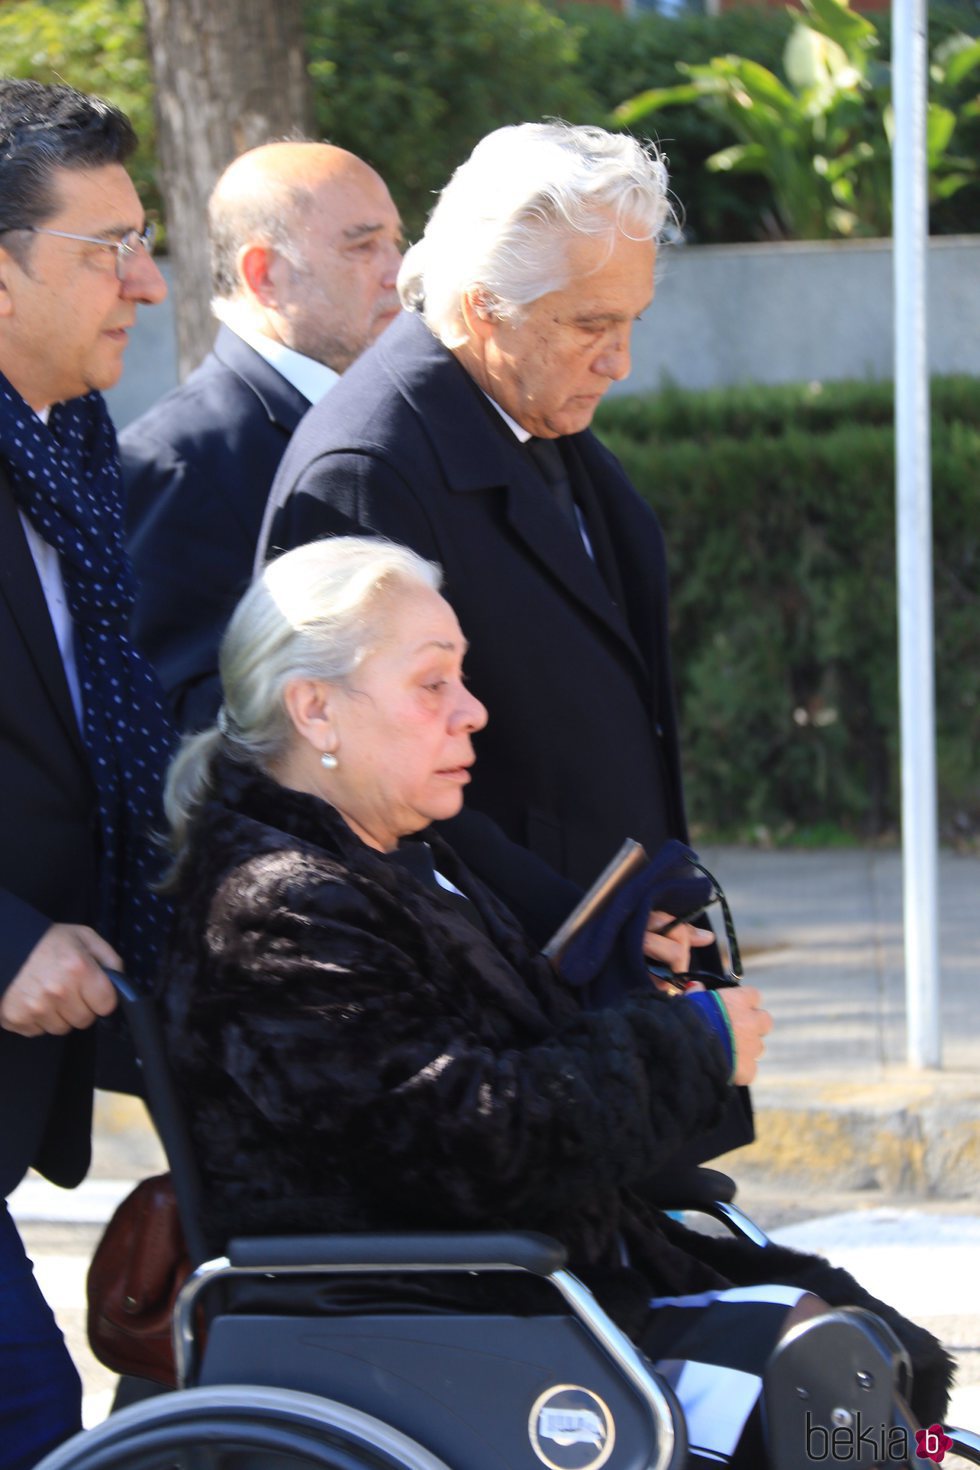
(517, 429)
(312, 379)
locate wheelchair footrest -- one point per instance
(831, 1392)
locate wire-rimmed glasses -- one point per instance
(127, 247)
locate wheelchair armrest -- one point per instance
(538, 1254)
(690, 1189)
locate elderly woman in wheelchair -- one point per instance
(366, 1041)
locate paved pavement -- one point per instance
(857, 1155)
(837, 1106)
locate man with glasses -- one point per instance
(83, 737)
(305, 249)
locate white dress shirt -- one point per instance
(48, 565)
(312, 379)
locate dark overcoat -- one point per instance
(197, 469)
(49, 861)
(356, 1055)
(570, 656)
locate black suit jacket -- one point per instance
(49, 856)
(197, 468)
(581, 748)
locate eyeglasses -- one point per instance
(732, 973)
(127, 247)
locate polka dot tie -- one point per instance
(65, 478)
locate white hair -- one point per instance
(314, 613)
(504, 222)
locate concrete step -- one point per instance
(907, 1134)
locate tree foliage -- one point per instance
(821, 134)
(412, 85)
(95, 45)
(620, 57)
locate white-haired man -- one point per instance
(465, 433)
(305, 250)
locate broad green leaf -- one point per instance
(888, 123)
(849, 163)
(940, 125)
(842, 221)
(637, 108)
(957, 55)
(851, 31)
(765, 88)
(804, 59)
(944, 186)
(739, 158)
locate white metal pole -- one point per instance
(914, 535)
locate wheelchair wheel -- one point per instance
(241, 1428)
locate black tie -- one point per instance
(547, 456)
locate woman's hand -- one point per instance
(749, 1023)
(673, 949)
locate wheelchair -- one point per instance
(260, 1388)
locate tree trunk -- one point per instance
(229, 75)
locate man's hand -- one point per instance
(673, 949)
(60, 987)
(750, 1023)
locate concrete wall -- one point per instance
(799, 311)
(151, 360)
(728, 314)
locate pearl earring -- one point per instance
(329, 761)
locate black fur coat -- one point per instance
(356, 1055)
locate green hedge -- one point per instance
(778, 508)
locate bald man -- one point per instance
(305, 249)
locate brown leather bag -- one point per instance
(138, 1268)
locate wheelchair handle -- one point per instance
(476, 1251)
